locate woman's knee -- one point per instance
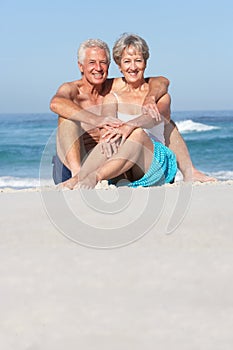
(140, 137)
(138, 134)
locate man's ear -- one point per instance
(80, 66)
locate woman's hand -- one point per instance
(107, 143)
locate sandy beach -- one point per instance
(117, 269)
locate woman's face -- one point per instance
(132, 65)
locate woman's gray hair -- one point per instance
(92, 43)
(125, 41)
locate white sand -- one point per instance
(162, 291)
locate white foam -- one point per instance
(222, 175)
(20, 183)
(191, 126)
(24, 183)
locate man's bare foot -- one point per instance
(70, 184)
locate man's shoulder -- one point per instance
(70, 87)
(72, 84)
(112, 84)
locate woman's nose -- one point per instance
(132, 65)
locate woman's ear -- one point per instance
(119, 68)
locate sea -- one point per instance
(27, 144)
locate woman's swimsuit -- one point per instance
(163, 167)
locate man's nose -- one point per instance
(98, 66)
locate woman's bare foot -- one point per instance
(195, 175)
(88, 181)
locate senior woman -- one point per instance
(141, 153)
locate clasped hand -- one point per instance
(114, 137)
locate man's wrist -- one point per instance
(151, 97)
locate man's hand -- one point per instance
(106, 122)
(149, 107)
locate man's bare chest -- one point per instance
(87, 102)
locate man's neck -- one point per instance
(88, 88)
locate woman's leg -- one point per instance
(136, 153)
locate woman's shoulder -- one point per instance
(111, 97)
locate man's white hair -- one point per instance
(92, 43)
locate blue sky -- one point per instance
(191, 43)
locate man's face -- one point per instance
(95, 66)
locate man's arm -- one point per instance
(158, 87)
(62, 104)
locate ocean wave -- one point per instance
(21, 183)
(222, 175)
(188, 125)
(18, 183)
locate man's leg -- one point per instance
(173, 139)
(69, 144)
(176, 143)
(164, 107)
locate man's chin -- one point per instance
(99, 81)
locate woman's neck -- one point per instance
(142, 85)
